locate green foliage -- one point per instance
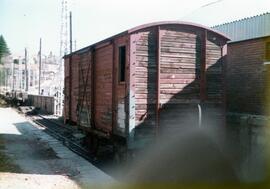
(4, 50)
(16, 61)
(2, 78)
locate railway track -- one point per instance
(65, 135)
(102, 159)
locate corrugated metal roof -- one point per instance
(247, 28)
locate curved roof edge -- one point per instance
(149, 25)
(152, 24)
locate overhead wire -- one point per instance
(201, 7)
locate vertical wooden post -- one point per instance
(223, 49)
(203, 95)
(114, 90)
(158, 43)
(70, 86)
(131, 89)
(93, 87)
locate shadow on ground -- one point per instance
(28, 152)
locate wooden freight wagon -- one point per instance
(154, 76)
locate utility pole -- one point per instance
(70, 30)
(19, 75)
(13, 75)
(63, 51)
(64, 30)
(39, 68)
(26, 70)
(70, 60)
(5, 72)
(75, 45)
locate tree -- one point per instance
(4, 50)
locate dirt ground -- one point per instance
(5, 162)
(29, 158)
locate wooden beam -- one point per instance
(114, 89)
(158, 43)
(131, 68)
(203, 94)
(70, 87)
(93, 87)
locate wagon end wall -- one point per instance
(177, 68)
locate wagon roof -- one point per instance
(149, 25)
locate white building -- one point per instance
(13, 73)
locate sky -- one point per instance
(24, 22)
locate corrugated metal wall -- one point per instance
(248, 28)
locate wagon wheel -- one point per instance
(94, 145)
(120, 154)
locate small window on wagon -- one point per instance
(122, 63)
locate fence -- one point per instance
(45, 103)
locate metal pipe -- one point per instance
(200, 116)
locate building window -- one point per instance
(122, 63)
(267, 51)
(16, 61)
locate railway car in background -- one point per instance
(133, 85)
